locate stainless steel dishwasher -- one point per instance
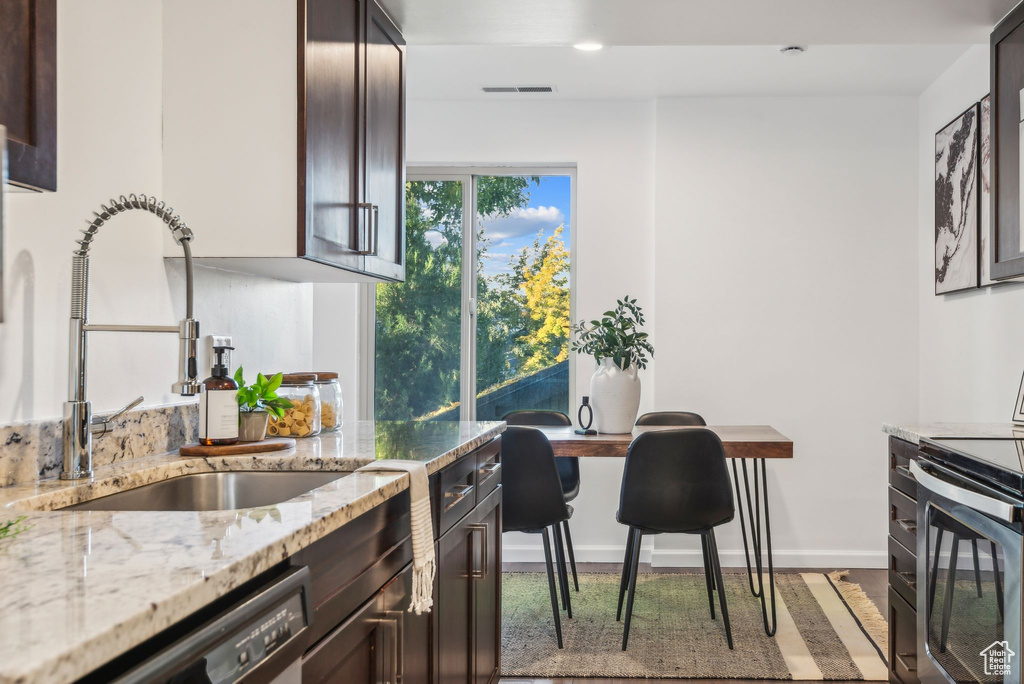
(260, 639)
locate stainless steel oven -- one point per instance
(969, 555)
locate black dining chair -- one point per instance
(532, 499)
(675, 481)
(681, 418)
(568, 472)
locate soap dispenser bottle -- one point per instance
(218, 404)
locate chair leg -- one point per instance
(551, 586)
(634, 568)
(572, 555)
(977, 566)
(935, 571)
(563, 575)
(627, 563)
(999, 580)
(947, 601)
(709, 575)
(713, 548)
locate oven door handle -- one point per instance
(997, 508)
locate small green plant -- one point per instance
(615, 336)
(261, 395)
(11, 528)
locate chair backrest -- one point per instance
(670, 418)
(532, 492)
(536, 417)
(569, 466)
(676, 481)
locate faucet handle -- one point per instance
(105, 424)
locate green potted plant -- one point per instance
(255, 404)
(621, 351)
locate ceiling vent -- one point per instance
(518, 89)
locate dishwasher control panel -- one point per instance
(253, 643)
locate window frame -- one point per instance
(467, 174)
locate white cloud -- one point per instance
(522, 221)
(435, 238)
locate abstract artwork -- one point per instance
(957, 203)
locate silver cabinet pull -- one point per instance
(473, 529)
(456, 494)
(487, 472)
(368, 230)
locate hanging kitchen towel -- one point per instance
(423, 562)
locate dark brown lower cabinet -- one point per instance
(467, 600)
(903, 580)
(372, 644)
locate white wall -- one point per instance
(109, 105)
(779, 293)
(612, 146)
(785, 297)
(971, 356)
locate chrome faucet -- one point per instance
(79, 424)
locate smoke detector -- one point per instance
(518, 89)
(792, 50)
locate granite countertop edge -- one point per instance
(915, 432)
(359, 493)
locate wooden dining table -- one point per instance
(742, 443)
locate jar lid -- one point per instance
(296, 378)
(326, 376)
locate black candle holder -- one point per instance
(585, 429)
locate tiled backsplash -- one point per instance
(33, 451)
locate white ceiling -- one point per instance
(458, 73)
(696, 22)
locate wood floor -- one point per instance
(875, 584)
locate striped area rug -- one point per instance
(820, 637)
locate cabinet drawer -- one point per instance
(903, 518)
(458, 495)
(903, 571)
(901, 453)
(488, 469)
(902, 640)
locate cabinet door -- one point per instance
(454, 604)
(414, 660)
(28, 90)
(487, 597)
(384, 167)
(468, 601)
(351, 653)
(330, 126)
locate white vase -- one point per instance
(615, 395)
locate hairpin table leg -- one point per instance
(754, 513)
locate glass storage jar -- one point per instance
(331, 404)
(303, 418)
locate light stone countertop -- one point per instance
(79, 588)
(914, 432)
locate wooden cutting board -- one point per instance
(267, 445)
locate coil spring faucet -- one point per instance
(79, 425)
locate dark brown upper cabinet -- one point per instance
(1006, 258)
(28, 91)
(287, 159)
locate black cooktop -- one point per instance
(998, 462)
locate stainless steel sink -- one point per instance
(212, 492)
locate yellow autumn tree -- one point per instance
(544, 288)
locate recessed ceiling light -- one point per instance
(792, 50)
(588, 47)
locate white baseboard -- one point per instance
(684, 558)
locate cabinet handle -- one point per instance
(909, 526)
(910, 578)
(455, 495)
(393, 619)
(473, 529)
(487, 471)
(367, 242)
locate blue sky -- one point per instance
(549, 207)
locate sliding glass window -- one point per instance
(480, 327)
